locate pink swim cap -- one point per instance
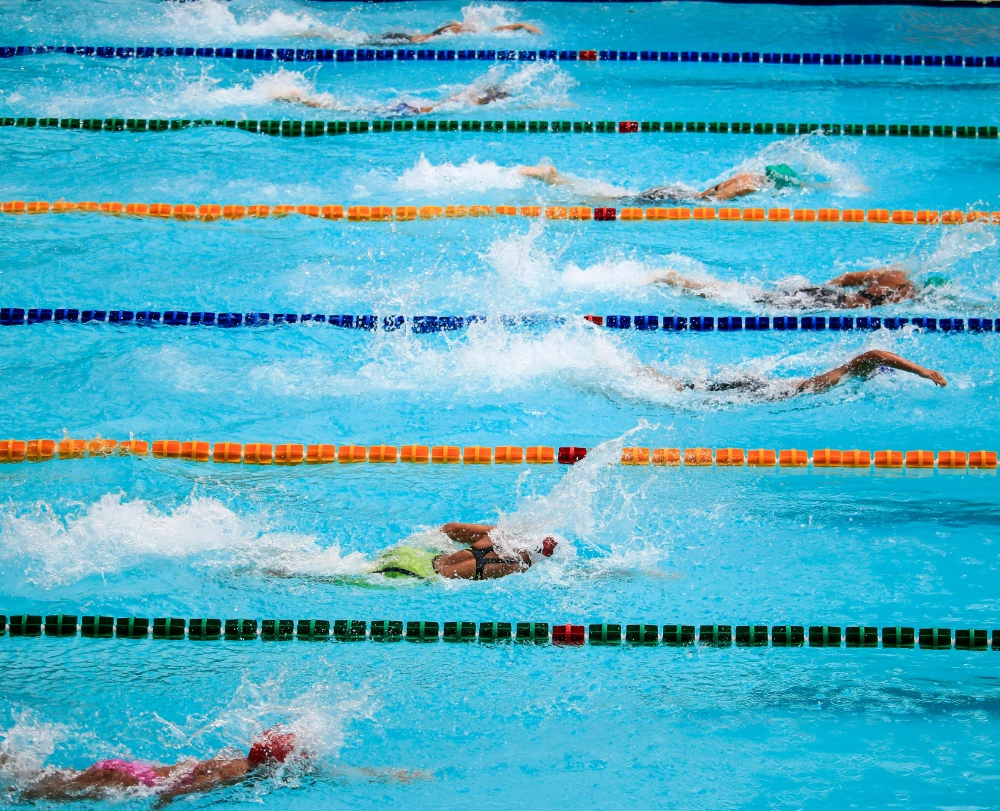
(271, 747)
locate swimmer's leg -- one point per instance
(863, 366)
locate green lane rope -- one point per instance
(297, 129)
(202, 629)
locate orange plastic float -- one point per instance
(72, 448)
(856, 458)
(477, 455)
(779, 214)
(831, 215)
(133, 447)
(754, 214)
(102, 447)
(331, 212)
(531, 211)
(135, 209)
(540, 455)
(382, 454)
(352, 454)
(406, 213)
(167, 448)
(446, 454)
(928, 218)
(508, 454)
(13, 450)
(40, 450)
(112, 208)
(729, 457)
(308, 211)
(39, 207)
(195, 451)
(793, 458)
(918, 459)
(227, 452)
(430, 212)
(804, 215)
(209, 212)
(827, 458)
(635, 456)
(417, 454)
(258, 453)
(321, 454)
(888, 459)
(762, 457)
(952, 460)
(160, 209)
(234, 212)
(289, 454)
(698, 457)
(983, 460)
(258, 211)
(666, 457)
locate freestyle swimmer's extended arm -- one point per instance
(531, 29)
(466, 533)
(544, 172)
(736, 186)
(885, 276)
(205, 776)
(863, 366)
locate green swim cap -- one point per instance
(936, 280)
(782, 175)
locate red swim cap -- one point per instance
(271, 747)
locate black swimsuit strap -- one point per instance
(482, 560)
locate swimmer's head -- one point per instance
(549, 545)
(495, 93)
(782, 175)
(935, 280)
(273, 746)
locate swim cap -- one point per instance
(782, 175)
(548, 546)
(936, 280)
(271, 747)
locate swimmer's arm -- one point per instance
(543, 172)
(648, 371)
(891, 277)
(531, 29)
(674, 279)
(862, 366)
(205, 776)
(466, 533)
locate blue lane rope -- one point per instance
(490, 55)
(17, 316)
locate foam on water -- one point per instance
(112, 536)
(446, 178)
(213, 21)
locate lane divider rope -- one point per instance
(382, 55)
(289, 453)
(296, 129)
(423, 324)
(542, 633)
(210, 212)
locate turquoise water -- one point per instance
(497, 726)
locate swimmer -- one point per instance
(481, 561)
(452, 27)
(108, 777)
(323, 101)
(873, 288)
(863, 367)
(780, 176)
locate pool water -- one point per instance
(491, 726)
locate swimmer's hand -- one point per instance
(933, 375)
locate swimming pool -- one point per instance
(506, 725)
